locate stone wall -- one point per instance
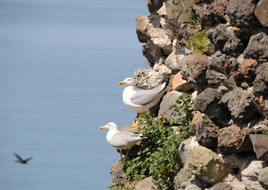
(217, 51)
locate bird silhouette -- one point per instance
(22, 161)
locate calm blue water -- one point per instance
(60, 64)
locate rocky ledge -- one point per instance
(217, 51)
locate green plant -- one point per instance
(264, 131)
(158, 154)
(198, 42)
(192, 19)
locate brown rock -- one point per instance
(261, 12)
(233, 139)
(245, 74)
(198, 116)
(117, 173)
(260, 144)
(179, 84)
(219, 8)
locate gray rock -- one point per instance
(168, 100)
(263, 177)
(234, 182)
(147, 78)
(145, 184)
(193, 69)
(184, 180)
(207, 133)
(185, 148)
(117, 174)
(172, 62)
(208, 102)
(224, 39)
(240, 104)
(250, 175)
(151, 52)
(206, 165)
(154, 5)
(179, 10)
(260, 84)
(241, 15)
(261, 12)
(257, 47)
(205, 12)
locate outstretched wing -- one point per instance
(26, 160)
(19, 158)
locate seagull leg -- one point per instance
(127, 154)
(119, 160)
(136, 124)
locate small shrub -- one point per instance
(198, 42)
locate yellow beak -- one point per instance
(103, 127)
(120, 83)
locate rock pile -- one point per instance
(218, 51)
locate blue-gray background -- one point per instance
(60, 64)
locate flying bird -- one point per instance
(119, 139)
(20, 160)
(142, 100)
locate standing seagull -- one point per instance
(20, 160)
(141, 101)
(119, 139)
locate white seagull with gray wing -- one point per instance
(119, 139)
(142, 100)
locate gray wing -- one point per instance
(144, 97)
(123, 138)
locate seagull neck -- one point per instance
(129, 88)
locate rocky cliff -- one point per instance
(218, 52)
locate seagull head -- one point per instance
(109, 126)
(128, 82)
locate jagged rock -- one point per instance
(222, 186)
(185, 180)
(117, 173)
(179, 10)
(260, 86)
(168, 100)
(219, 7)
(146, 183)
(241, 15)
(205, 164)
(249, 176)
(162, 69)
(234, 182)
(193, 69)
(151, 52)
(204, 10)
(233, 139)
(147, 78)
(260, 144)
(156, 29)
(263, 177)
(207, 133)
(240, 104)
(208, 102)
(245, 74)
(185, 148)
(179, 84)
(261, 12)
(172, 62)
(224, 39)
(218, 69)
(257, 47)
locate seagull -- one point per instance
(141, 101)
(20, 160)
(121, 140)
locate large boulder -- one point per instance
(117, 173)
(205, 164)
(263, 177)
(260, 144)
(147, 78)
